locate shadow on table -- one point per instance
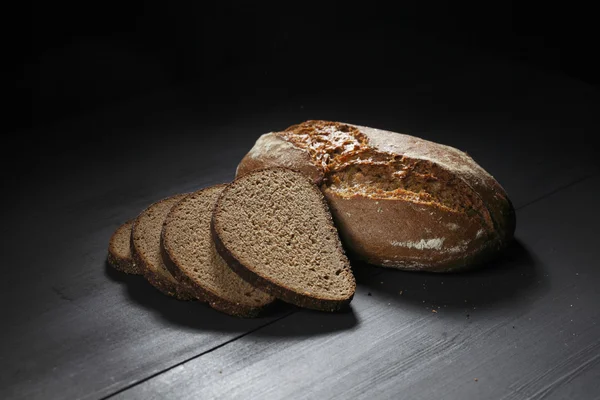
(192, 315)
(513, 278)
(310, 323)
(199, 316)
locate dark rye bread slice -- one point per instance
(119, 250)
(397, 200)
(189, 254)
(145, 248)
(274, 229)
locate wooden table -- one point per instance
(524, 327)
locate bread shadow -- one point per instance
(192, 315)
(310, 323)
(514, 278)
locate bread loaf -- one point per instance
(274, 229)
(189, 253)
(398, 201)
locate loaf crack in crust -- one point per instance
(399, 201)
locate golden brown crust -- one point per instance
(364, 223)
(123, 264)
(203, 294)
(279, 291)
(377, 227)
(494, 199)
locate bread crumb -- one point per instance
(400, 292)
(435, 311)
(476, 380)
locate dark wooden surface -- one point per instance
(524, 327)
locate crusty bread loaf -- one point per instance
(274, 229)
(189, 254)
(145, 248)
(119, 250)
(397, 200)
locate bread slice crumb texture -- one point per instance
(274, 229)
(119, 250)
(190, 254)
(145, 242)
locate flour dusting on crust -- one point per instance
(269, 144)
(423, 244)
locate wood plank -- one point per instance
(74, 329)
(78, 329)
(524, 328)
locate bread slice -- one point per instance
(397, 200)
(274, 229)
(189, 254)
(119, 250)
(145, 248)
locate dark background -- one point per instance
(68, 58)
(115, 106)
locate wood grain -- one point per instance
(524, 328)
(72, 328)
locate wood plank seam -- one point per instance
(375, 273)
(194, 357)
(552, 192)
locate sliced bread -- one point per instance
(274, 229)
(189, 254)
(397, 200)
(145, 248)
(119, 250)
